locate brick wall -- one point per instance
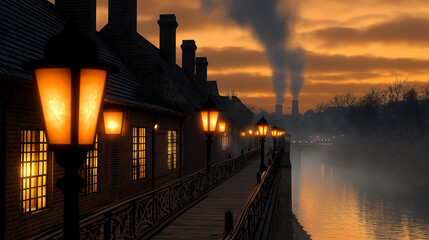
(115, 166)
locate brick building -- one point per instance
(149, 88)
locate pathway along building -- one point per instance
(149, 88)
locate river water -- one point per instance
(334, 202)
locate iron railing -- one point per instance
(247, 222)
(136, 218)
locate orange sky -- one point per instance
(350, 45)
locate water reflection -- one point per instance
(348, 205)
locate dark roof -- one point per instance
(212, 88)
(232, 109)
(25, 27)
(152, 68)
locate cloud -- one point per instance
(318, 63)
(337, 66)
(233, 57)
(404, 30)
(243, 82)
(332, 77)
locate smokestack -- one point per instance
(279, 109)
(188, 58)
(81, 13)
(295, 110)
(167, 36)
(123, 15)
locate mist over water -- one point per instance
(334, 201)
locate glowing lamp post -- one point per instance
(71, 83)
(262, 127)
(275, 132)
(113, 122)
(209, 117)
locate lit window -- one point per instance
(139, 153)
(34, 165)
(172, 150)
(225, 142)
(90, 169)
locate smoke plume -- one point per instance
(272, 22)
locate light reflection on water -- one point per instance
(331, 203)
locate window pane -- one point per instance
(139, 153)
(34, 164)
(89, 169)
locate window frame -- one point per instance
(139, 153)
(92, 158)
(33, 147)
(172, 152)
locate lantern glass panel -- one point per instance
(91, 92)
(54, 86)
(205, 120)
(113, 122)
(213, 120)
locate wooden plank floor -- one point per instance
(205, 220)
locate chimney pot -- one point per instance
(188, 58)
(167, 36)
(201, 72)
(81, 12)
(123, 15)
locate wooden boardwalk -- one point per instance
(205, 220)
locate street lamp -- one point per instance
(71, 83)
(262, 127)
(209, 117)
(275, 132)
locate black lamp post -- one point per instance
(209, 117)
(71, 83)
(275, 132)
(262, 127)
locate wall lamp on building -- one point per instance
(243, 133)
(71, 84)
(113, 122)
(209, 118)
(221, 126)
(262, 127)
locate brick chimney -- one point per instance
(123, 15)
(188, 58)
(80, 12)
(167, 36)
(201, 70)
(201, 73)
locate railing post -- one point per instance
(107, 228)
(229, 220)
(258, 178)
